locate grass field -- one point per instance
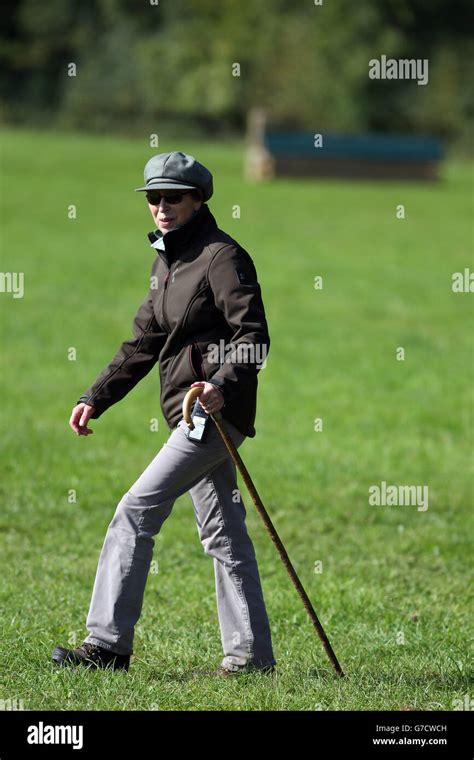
(393, 591)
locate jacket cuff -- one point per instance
(219, 383)
(98, 408)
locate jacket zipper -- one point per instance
(163, 310)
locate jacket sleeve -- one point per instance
(237, 294)
(133, 360)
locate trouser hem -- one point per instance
(110, 647)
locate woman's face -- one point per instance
(167, 216)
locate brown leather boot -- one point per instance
(91, 655)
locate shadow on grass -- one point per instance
(196, 673)
(353, 678)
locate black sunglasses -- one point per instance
(173, 200)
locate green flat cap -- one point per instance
(176, 171)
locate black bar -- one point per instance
(120, 733)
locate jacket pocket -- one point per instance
(182, 370)
(195, 358)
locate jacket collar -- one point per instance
(182, 237)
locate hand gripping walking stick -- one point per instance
(189, 398)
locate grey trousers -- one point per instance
(206, 470)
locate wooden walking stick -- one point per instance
(188, 401)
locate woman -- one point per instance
(203, 294)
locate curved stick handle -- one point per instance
(188, 402)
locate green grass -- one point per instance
(393, 593)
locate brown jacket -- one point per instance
(203, 295)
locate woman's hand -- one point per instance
(80, 417)
(211, 398)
